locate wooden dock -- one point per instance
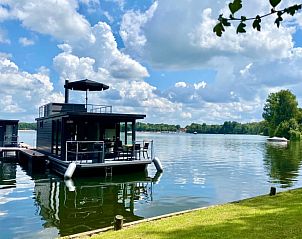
(30, 158)
(26, 151)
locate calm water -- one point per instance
(199, 170)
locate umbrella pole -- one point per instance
(86, 99)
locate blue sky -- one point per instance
(160, 58)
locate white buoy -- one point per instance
(70, 170)
(157, 164)
(70, 185)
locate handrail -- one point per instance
(87, 152)
(99, 108)
(51, 108)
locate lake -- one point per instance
(199, 170)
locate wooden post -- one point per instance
(118, 222)
(273, 191)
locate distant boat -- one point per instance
(194, 132)
(277, 140)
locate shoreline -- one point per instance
(101, 231)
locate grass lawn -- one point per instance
(266, 217)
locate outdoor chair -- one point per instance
(137, 151)
(145, 149)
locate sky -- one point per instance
(159, 58)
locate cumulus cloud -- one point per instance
(59, 19)
(22, 92)
(167, 36)
(181, 84)
(136, 95)
(248, 66)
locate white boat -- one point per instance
(277, 140)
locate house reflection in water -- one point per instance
(7, 174)
(91, 204)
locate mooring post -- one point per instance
(118, 222)
(273, 191)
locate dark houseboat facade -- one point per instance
(97, 140)
(8, 133)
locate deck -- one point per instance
(34, 160)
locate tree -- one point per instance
(236, 5)
(280, 107)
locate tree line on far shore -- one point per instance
(27, 126)
(229, 127)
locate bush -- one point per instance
(288, 129)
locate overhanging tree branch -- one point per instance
(236, 5)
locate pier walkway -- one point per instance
(30, 153)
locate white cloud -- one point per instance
(22, 92)
(132, 25)
(167, 36)
(108, 16)
(186, 115)
(59, 19)
(200, 85)
(26, 42)
(135, 96)
(181, 84)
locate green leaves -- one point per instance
(293, 9)
(274, 3)
(256, 23)
(241, 28)
(219, 28)
(235, 6)
(279, 19)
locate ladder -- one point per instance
(108, 171)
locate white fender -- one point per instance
(70, 170)
(157, 164)
(70, 185)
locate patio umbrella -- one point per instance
(85, 85)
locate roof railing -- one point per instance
(57, 108)
(99, 108)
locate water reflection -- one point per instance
(283, 162)
(92, 202)
(7, 174)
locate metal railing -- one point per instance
(55, 108)
(107, 109)
(85, 151)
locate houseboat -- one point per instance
(8, 133)
(90, 139)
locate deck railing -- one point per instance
(85, 151)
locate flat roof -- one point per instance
(7, 120)
(113, 116)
